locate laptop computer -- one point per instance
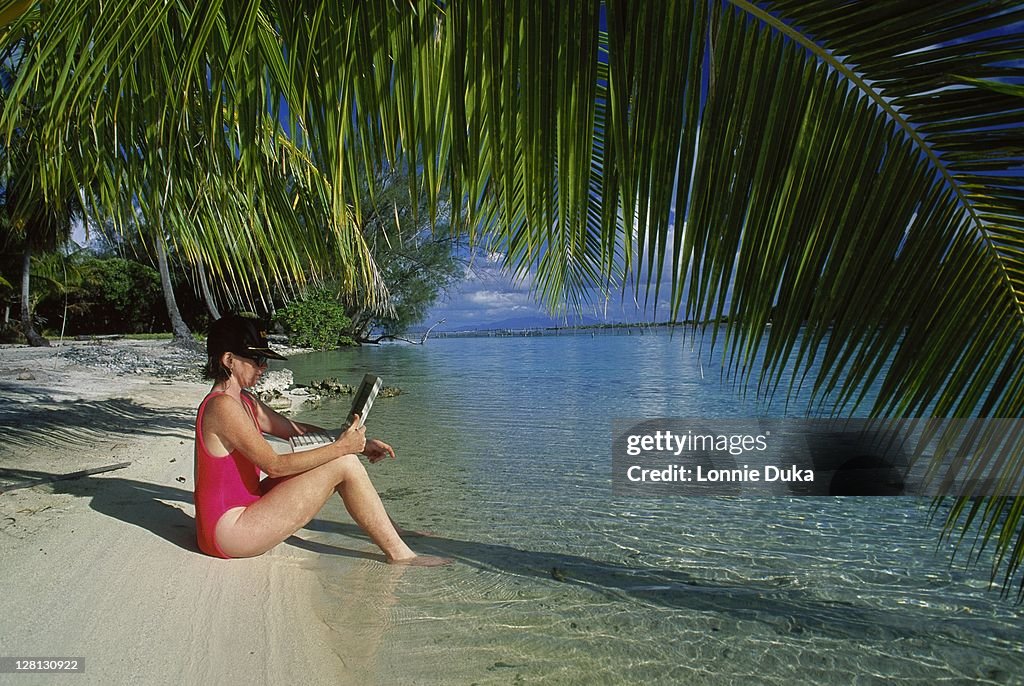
(361, 404)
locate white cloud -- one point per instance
(497, 300)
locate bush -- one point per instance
(316, 321)
(115, 296)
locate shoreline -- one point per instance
(105, 567)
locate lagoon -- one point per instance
(504, 449)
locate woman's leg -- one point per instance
(295, 500)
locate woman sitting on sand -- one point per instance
(237, 514)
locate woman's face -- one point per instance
(244, 370)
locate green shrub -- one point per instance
(316, 321)
(112, 296)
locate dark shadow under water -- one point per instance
(785, 610)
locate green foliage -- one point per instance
(316, 321)
(127, 297)
(413, 253)
(113, 295)
(415, 274)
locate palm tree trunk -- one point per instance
(182, 334)
(34, 339)
(211, 304)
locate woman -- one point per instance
(237, 514)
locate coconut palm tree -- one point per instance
(850, 172)
(35, 217)
(41, 226)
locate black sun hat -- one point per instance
(240, 335)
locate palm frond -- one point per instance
(850, 172)
(11, 10)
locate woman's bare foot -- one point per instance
(421, 561)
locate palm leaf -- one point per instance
(11, 10)
(850, 173)
(837, 182)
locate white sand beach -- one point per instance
(106, 568)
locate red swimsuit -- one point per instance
(222, 482)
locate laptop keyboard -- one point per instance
(310, 440)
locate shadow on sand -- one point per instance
(151, 507)
(43, 421)
(786, 609)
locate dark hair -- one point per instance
(219, 340)
(214, 370)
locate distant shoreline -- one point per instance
(622, 329)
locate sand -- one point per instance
(106, 567)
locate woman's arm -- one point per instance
(228, 427)
(273, 423)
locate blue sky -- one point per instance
(488, 298)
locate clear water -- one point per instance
(504, 453)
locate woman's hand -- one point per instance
(378, 450)
(353, 439)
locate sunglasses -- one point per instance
(260, 360)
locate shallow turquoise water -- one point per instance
(504, 453)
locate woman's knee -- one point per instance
(347, 467)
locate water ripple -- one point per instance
(507, 456)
